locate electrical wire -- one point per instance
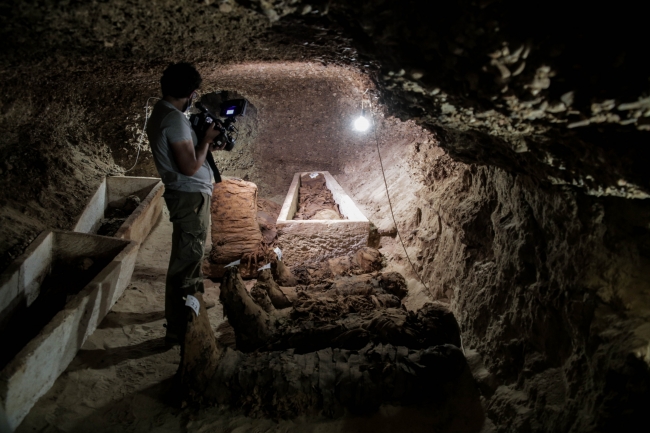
(144, 128)
(390, 204)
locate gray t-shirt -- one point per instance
(169, 125)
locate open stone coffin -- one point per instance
(112, 193)
(51, 299)
(304, 241)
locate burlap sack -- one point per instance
(235, 231)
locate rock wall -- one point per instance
(549, 285)
(542, 90)
(553, 305)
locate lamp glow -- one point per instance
(361, 124)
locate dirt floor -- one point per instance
(120, 381)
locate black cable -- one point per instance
(390, 204)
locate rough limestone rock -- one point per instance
(549, 285)
(364, 260)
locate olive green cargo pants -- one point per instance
(189, 213)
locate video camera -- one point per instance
(205, 118)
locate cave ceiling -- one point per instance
(553, 90)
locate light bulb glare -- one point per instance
(361, 124)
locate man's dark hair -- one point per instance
(179, 80)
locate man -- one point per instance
(181, 163)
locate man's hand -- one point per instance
(214, 145)
(211, 133)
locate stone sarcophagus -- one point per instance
(51, 299)
(312, 240)
(135, 203)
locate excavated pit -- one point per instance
(513, 141)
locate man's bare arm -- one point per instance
(189, 158)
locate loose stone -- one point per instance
(578, 124)
(556, 107)
(567, 98)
